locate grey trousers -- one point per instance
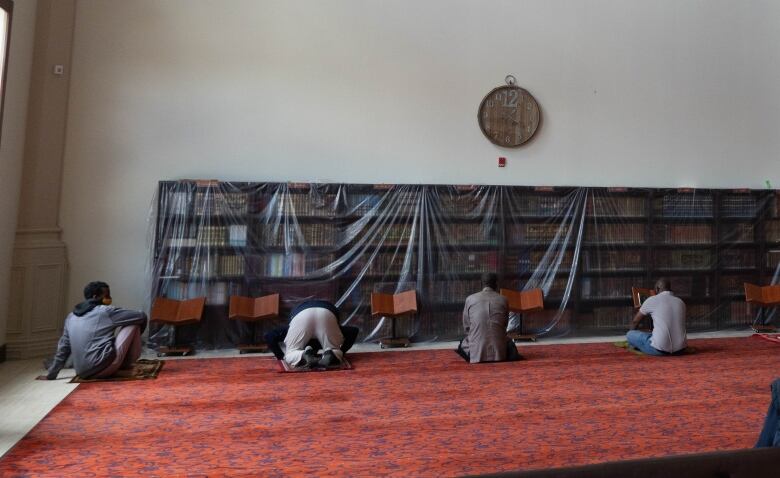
(128, 348)
(313, 323)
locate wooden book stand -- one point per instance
(175, 313)
(763, 296)
(520, 302)
(253, 310)
(393, 306)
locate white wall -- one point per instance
(12, 143)
(646, 93)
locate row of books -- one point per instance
(734, 284)
(536, 233)
(385, 263)
(216, 293)
(684, 205)
(528, 261)
(618, 206)
(773, 259)
(538, 205)
(207, 266)
(737, 258)
(298, 204)
(740, 232)
(682, 233)
(363, 205)
(216, 236)
(614, 260)
(608, 287)
(738, 205)
(470, 234)
(304, 235)
(684, 259)
(773, 230)
(211, 202)
(615, 233)
(296, 264)
(460, 262)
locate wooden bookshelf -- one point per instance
(343, 242)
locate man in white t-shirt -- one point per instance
(668, 314)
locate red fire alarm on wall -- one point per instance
(501, 162)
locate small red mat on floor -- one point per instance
(774, 338)
(420, 413)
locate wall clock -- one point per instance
(508, 116)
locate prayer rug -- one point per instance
(143, 369)
(407, 413)
(284, 367)
(624, 345)
(774, 338)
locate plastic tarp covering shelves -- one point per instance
(584, 247)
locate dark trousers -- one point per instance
(275, 339)
(770, 434)
(511, 351)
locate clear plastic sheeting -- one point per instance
(584, 247)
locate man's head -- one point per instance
(98, 290)
(662, 284)
(489, 279)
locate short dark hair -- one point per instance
(663, 284)
(93, 288)
(489, 279)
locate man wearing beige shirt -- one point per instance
(485, 317)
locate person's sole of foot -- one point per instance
(310, 358)
(329, 360)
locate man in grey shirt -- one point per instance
(485, 317)
(101, 338)
(668, 314)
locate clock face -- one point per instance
(508, 116)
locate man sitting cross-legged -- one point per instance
(314, 319)
(485, 317)
(668, 314)
(89, 335)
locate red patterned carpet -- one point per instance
(418, 413)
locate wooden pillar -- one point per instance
(39, 267)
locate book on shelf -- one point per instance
(177, 312)
(733, 284)
(524, 301)
(701, 259)
(298, 235)
(607, 287)
(366, 204)
(295, 264)
(639, 295)
(740, 232)
(614, 260)
(393, 305)
(537, 233)
(737, 259)
(685, 205)
(537, 205)
(617, 206)
(468, 262)
(612, 317)
(249, 308)
(683, 233)
(773, 259)
(631, 233)
(772, 230)
(176, 203)
(738, 205)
